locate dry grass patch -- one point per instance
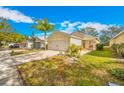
(51, 71)
(22, 51)
(57, 71)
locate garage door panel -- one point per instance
(57, 45)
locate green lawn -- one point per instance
(104, 53)
(90, 70)
(97, 69)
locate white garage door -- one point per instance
(57, 45)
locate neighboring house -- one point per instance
(29, 43)
(38, 43)
(22, 44)
(118, 39)
(61, 41)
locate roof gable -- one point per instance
(122, 32)
(37, 39)
(77, 35)
(60, 32)
(82, 36)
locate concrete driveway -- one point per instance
(85, 52)
(8, 72)
(34, 56)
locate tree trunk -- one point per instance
(45, 40)
(0, 44)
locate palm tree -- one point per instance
(33, 39)
(44, 26)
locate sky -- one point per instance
(64, 18)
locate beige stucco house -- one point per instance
(118, 39)
(38, 43)
(61, 41)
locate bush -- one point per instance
(121, 50)
(13, 53)
(118, 49)
(73, 51)
(114, 47)
(99, 46)
(118, 73)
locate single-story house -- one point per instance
(38, 43)
(118, 39)
(61, 41)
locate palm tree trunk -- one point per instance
(45, 39)
(0, 44)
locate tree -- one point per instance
(44, 26)
(114, 30)
(1, 38)
(7, 34)
(89, 31)
(4, 26)
(4, 29)
(106, 35)
(33, 39)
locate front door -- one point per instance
(90, 44)
(83, 43)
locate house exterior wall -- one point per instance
(42, 44)
(89, 44)
(61, 41)
(75, 41)
(95, 42)
(29, 44)
(37, 45)
(118, 40)
(86, 44)
(58, 41)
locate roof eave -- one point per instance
(117, 35)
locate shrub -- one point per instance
(115, 47)
(81, 48)
(118, 73)
(99, 46)
(121, 50)
(13, 53)
(118, 49)
(73, 51)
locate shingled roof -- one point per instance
(122, 32)
(82, 36)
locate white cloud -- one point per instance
(97, 26)
(74, 24)
(68, 30)
(65, 23)
(39, 34)
(69, 24)
(52, 23)
(69, 27)
(14, 15)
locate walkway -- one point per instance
(8, 72)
